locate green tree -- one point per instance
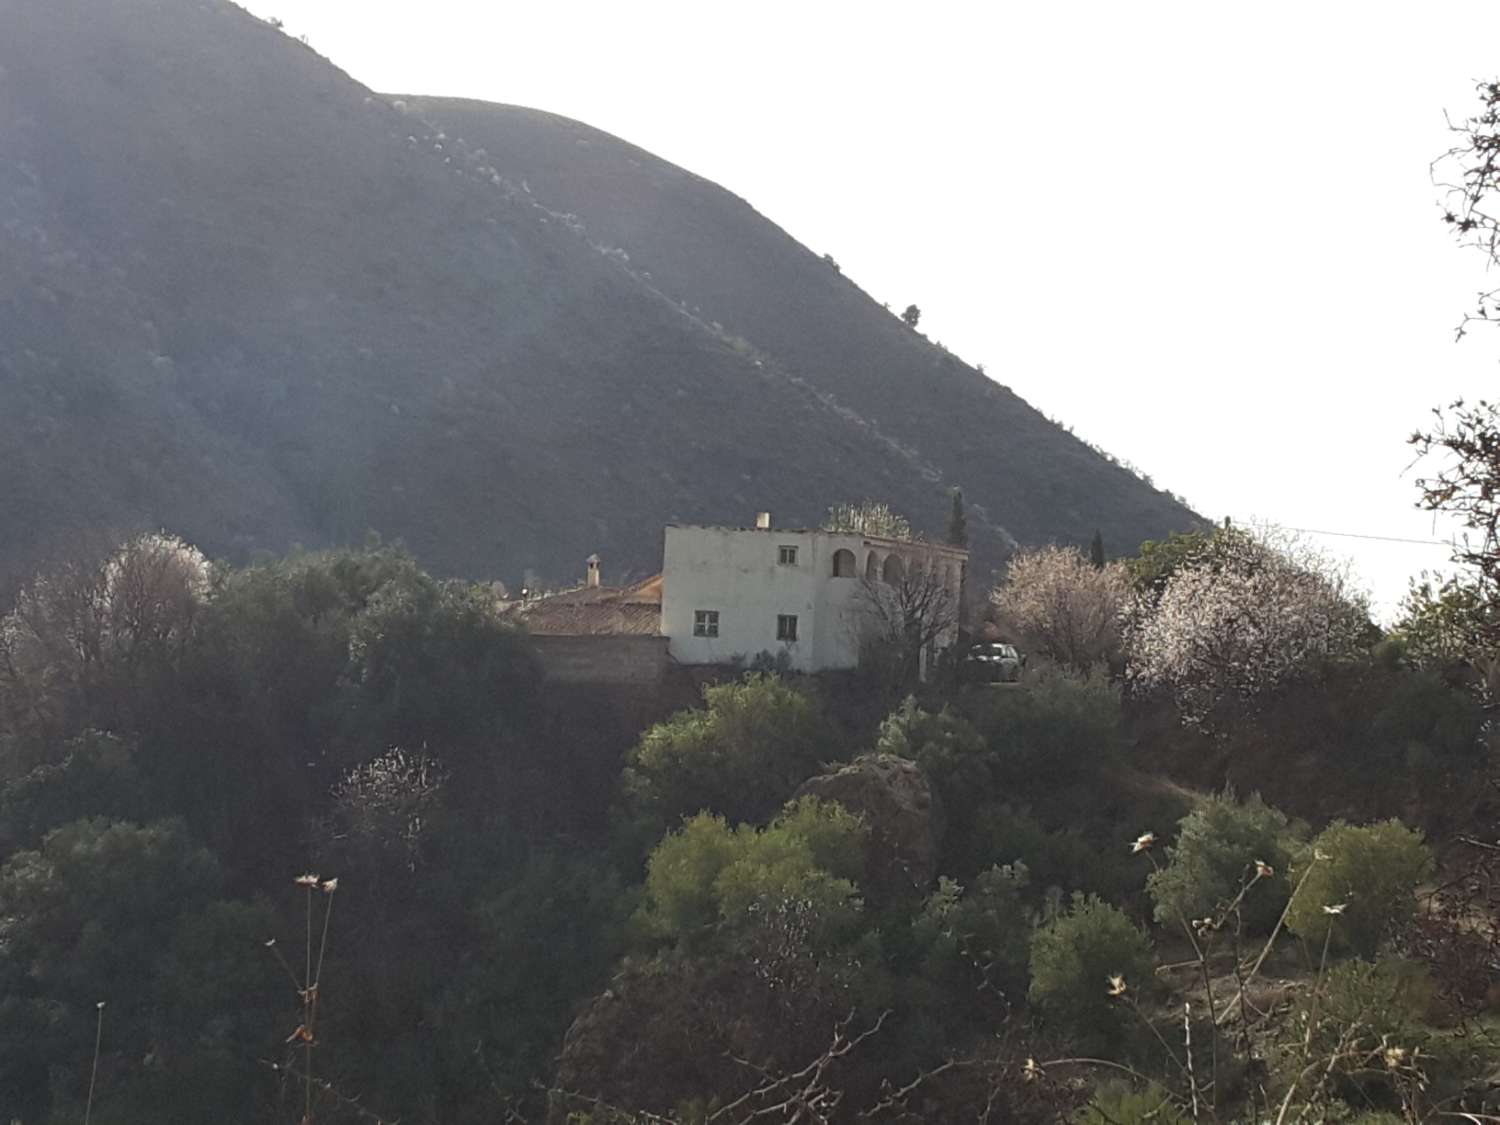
(741, 756)
(540, 940)
(1096, 550)
(910, 315)
(1159, 560)
(958, 522)
(433, 664)
(131, 915)
(1452, 626)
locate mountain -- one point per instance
(245, 298)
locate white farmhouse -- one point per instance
(734, 592)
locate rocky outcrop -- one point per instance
(904, 817)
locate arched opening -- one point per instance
(893, 571)
(872, 567)
(844, 564)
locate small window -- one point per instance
(786, 626)
(786, 556)
(844, 565)
(705, 623)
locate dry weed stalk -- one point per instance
(309, 993)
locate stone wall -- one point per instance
(622, 659)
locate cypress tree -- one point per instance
(958, 523)
(1096, 550)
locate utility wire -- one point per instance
(1379, 538)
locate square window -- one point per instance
(786, 556)
(786, 626)
(705, 623)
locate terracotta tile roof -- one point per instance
(595, 611)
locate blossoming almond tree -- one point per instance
(1065, 607)
(1247, 617)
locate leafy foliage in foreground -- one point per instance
(1208, 866)
(1360, 884)
(1074, 959)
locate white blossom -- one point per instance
(1246, 617)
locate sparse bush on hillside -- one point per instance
(741, 756)
(1360, 884)
(1075, 957)
(1219, 848)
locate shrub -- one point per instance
(1062, 729)
(1118, 1103)
(741, 756)
(976, 940)
(1360, 884)
(710, 880)
(1371, 1016)
(1065, 859)
(1074, 957)
(954, 756)
(1215, 855)
(928, 738)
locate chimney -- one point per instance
(762, 521)
(592, 581)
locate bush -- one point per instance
(1065, 859)
(976, 940)
(1360, 884)
(1074, 957)
(1216, 851)
(741, 757)
(1372, 1016)
(710, 881)
(1118, 1103)
(1057, 732)
(954, 756)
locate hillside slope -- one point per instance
(709, 249)
(245, 299)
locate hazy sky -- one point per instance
(1203, 235)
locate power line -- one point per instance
(1379, 538)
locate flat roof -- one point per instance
(871, 540)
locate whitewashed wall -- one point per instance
(735, 571)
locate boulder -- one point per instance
(904, 817)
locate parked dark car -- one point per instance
(994, 664)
